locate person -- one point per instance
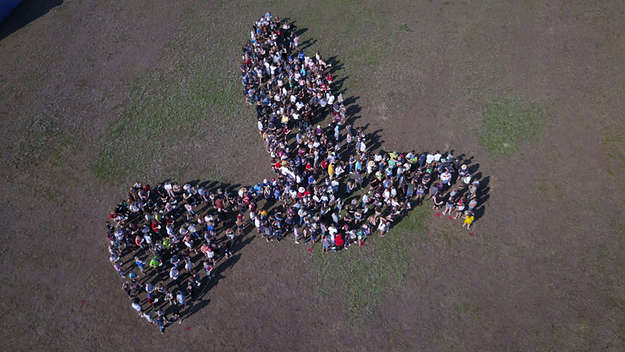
(296, 234)
(325, 244)
(468, 220)
(210, 255)
(190, 288)
(155, 262)
(174, 273)
(176, 315)
(361, 237)
(439, 201)
(449, 206)
(420, 193)
(208, 269)
(382, 227)
(170, 298)
(290, 90)
(119, 269)
(181, 299)
(134, 302)
(466, 177)
(472, 203)
(148, 317)
(196, 279)
(127, 289)
(339, 242)
(459, 208)
(159, 321)
(188, 264)
(228, 247)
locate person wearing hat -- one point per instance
(466, 177)
(463, 169)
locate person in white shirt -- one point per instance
(173, 273)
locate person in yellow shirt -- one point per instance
(331, 170)
(468, 219)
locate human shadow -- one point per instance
(195, 283)
(212, 249)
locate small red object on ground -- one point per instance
(438, 214)
(451, 217)
(188, 328)
(310, 249)
(470, 233)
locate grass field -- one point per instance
(362, 276)
(508, 122)
(96, 95)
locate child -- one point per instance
(325, 244)
(449, 207)
(468, 220)
(297, 235)
(208, 269)
(459, 208)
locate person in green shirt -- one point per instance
(155, 262)
(166, 243)
(378, 175)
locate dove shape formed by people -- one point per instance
(179, 236)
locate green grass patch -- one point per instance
(404, 27)
(341, 36)
(613, 147)
(43, 140)
(364, 275)
(507, 123)
(468, 309)
(167, 110)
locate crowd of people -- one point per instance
(330, 185)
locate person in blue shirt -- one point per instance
(389, 171)
(180, 298)
(140, 264)
(422, 159)
(160, 323)
(210, 228)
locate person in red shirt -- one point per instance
(219, 204)
(139, 241)
(338, 241)
(155, 226)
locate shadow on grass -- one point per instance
(24, 13)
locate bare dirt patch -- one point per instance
(544, 270)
